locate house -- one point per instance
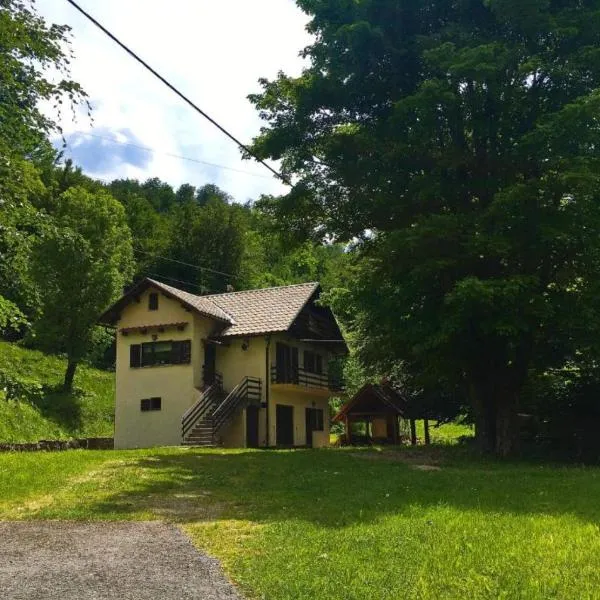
(240, 369)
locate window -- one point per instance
(315, 419)
(153, 301)
(156, 353)
(147, 404)
(313, 362)
(151, 354)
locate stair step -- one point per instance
(191, 444)
(198, 443)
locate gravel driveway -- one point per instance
(126, 561)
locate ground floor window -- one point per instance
(147, 404)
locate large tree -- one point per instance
(81, 264)
(34, 60)
(459, 140)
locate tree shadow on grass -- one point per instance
(336, 488)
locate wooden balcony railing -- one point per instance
(302, 377)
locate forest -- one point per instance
(449, 208)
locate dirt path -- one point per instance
(83, 561)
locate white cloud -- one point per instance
(213, 51)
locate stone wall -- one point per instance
(53, 445)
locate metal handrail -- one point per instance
(199, 409)
(300, 376)
(216, 376)
(249, 389)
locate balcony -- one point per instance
(297, 377)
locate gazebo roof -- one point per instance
(373, 399)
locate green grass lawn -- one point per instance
(88, 413)
(341, 523)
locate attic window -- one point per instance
(153, 301)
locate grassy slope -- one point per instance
(342, 523)
(59, 415)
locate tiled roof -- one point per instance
(250, 312)
(199, 303)
(267, 310)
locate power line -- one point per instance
(180, 262)
(180, 94)
(195, 160)
(176, 280)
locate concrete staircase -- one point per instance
(202, 434)
(198, 427)
(202, 422)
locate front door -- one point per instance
(285, 425)
(252, 426)
(210, 361)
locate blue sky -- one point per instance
(214, 51)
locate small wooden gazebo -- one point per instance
(380, 407)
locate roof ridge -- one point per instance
(233, 322)
(264, 289)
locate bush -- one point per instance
(12, 320)
(102, 354)
(20, 389)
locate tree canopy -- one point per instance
(457, 143)
(81, 263)
(29, 50)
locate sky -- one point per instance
(214, 51)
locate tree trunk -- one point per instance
(426, 431)
(507, 425)
(413, 433)
(496, 423)
(485, 419)
(70, 375)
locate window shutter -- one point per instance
(153, 301)
(175, 353)
(135, 352)
(181, 352)
(186, 352)
(319, 419)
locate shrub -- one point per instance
(12, 320)
(19, 389)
